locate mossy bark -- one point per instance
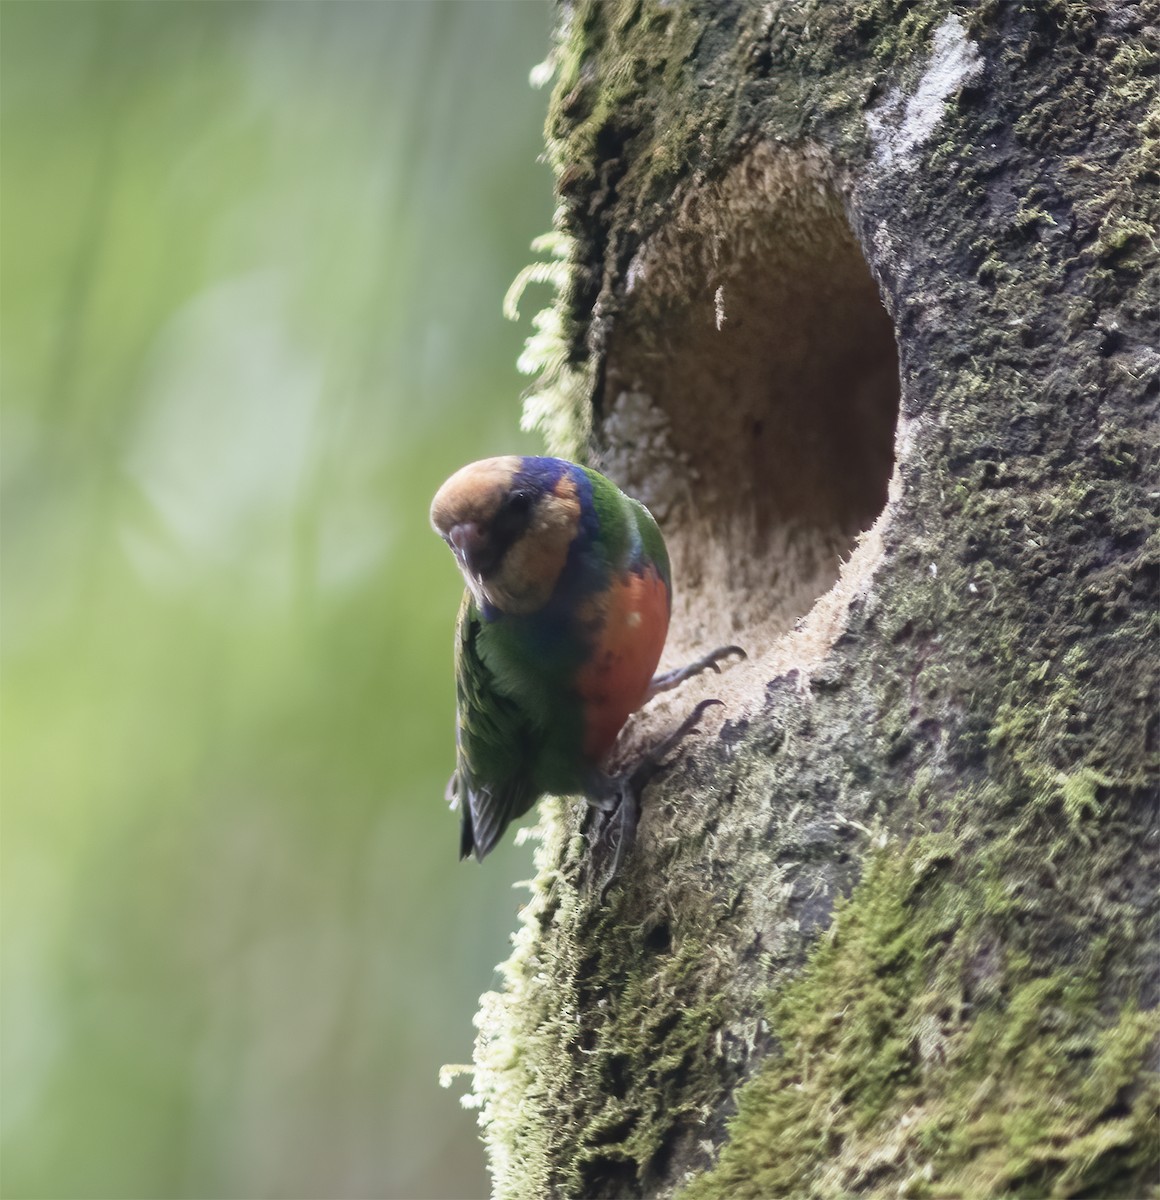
(893, 929)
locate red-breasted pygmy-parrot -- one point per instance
(561, 628)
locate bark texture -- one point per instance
(874, 283)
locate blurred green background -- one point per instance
(253, 258)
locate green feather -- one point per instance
(628, 531)
(519, 727)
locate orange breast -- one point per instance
(614, 681)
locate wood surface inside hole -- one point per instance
(751, 400)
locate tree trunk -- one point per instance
(861, 298)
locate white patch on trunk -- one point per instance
(900, 123)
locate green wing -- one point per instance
(493, 746)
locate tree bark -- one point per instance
(861, 298)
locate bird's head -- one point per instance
(510, 523)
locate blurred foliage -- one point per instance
(253, 260)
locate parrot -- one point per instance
(561, 627)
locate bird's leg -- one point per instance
(617, 797)
(602, 798)
(670, 679)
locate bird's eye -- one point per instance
(511, 520)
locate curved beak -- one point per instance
(469, 543)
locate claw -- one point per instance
(652, 764)
(671, 679)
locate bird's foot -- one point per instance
(670, 679)
(617, 800)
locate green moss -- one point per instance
(658, 1032)
(896, 33)
(1078, 791)
(611, 66)
(630, 1009)
(556, 405)
(622, 70)
(922, 1056)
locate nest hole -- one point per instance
(751, 401)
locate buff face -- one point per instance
(510, 531)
